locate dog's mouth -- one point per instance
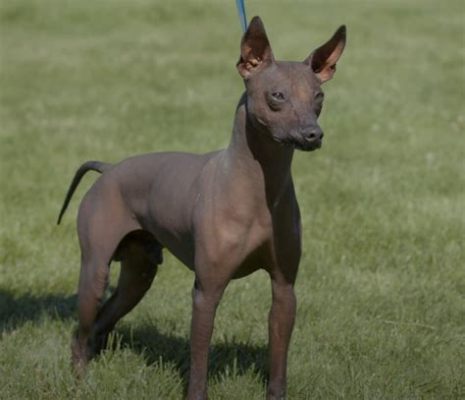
(302, 144)
(309, 145)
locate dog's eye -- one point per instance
(318, 103)
(319, 96)
(278, 96)
(276, 100)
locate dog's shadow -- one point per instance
(17, 310)
(227, 357)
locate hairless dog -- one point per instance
(224, 214)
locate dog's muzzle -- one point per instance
(310, 139)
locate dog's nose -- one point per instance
(315, 133)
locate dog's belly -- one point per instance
(180, 245)
(252, 263)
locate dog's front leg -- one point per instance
(205, 299)
(281, 322)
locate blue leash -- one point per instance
(242, 16)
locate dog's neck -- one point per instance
(255, 153)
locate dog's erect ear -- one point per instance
(255, 49)
(323, 60)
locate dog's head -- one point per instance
(284, 99)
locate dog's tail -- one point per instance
(96, 166)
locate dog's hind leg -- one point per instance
(140, 255)
(92, 284)
(102, 225)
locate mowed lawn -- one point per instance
(381, 287)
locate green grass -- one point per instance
(381, 289)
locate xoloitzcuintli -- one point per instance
(224, 214)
